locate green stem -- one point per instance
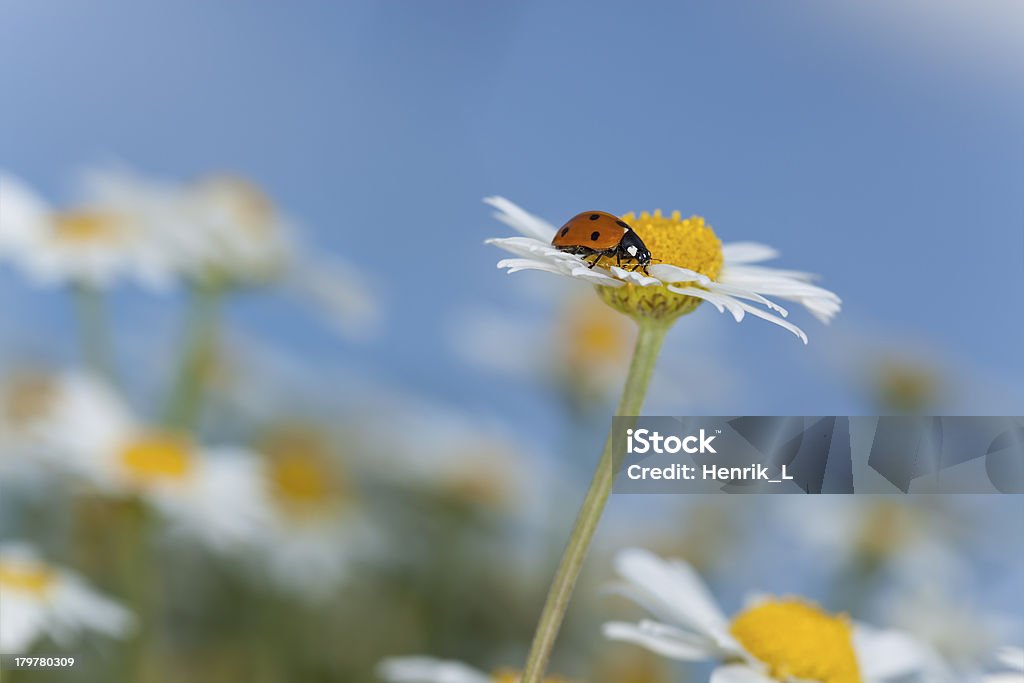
(645, 354)
(201, 328)
(94, 330)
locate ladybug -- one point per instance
(600, 234)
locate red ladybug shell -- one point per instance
(594, 230)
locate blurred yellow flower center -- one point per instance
(687, 243)
(301, 473)
(797, 640)
(87, 227)
(512, 676)
(157, 457)
(594, 337)
(301, 479)
(25, 577)
(904, 387)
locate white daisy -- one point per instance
(582, 349)
(217, 225)
(1011, 658)
(314, 530)
(215, 494)
(93, 244)
(432, 670)
(38, 599)
(773, 639)
(690, 266)
(224, 228)
(469, 459)
(947, 617)
(881, 532)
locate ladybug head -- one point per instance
(633, 247)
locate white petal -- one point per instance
(662, 639)
(1012, 657)
(77, 608)
(635, 277)
(514, 265)
(24, 215)
(524, 246)
(741, 293)
(887, 654)
(598, 276)
(428, 670)
(737, 673)
(790, 285)
(780, 286)
(679, 591)
(519, 219)
(22, 621)
(747, 252)
(765, 272)
(752, 310)
(719, 301)
(340, 292)
(670, 274)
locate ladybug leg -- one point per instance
(596, 260)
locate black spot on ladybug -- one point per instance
(594, 235)
(594, 217)
(622, 224)
(565, 231)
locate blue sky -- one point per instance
(884, 150)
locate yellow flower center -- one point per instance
(904, 387)
(157, 457)
(689, 243)
(87, 227)
(302, 476)
(26, 577)
(796, 639)
(512, 676)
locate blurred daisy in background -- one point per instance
(213, 494)
(40, 600)
(580, 349)
(942, 616)
(224, 231)
(315, 529)
(906, 374)
(772, 639)
(219, 227)
(469, 460)
(689, 265)
(582, 353)
(432, 670)
(91, 244)
(864, 537)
